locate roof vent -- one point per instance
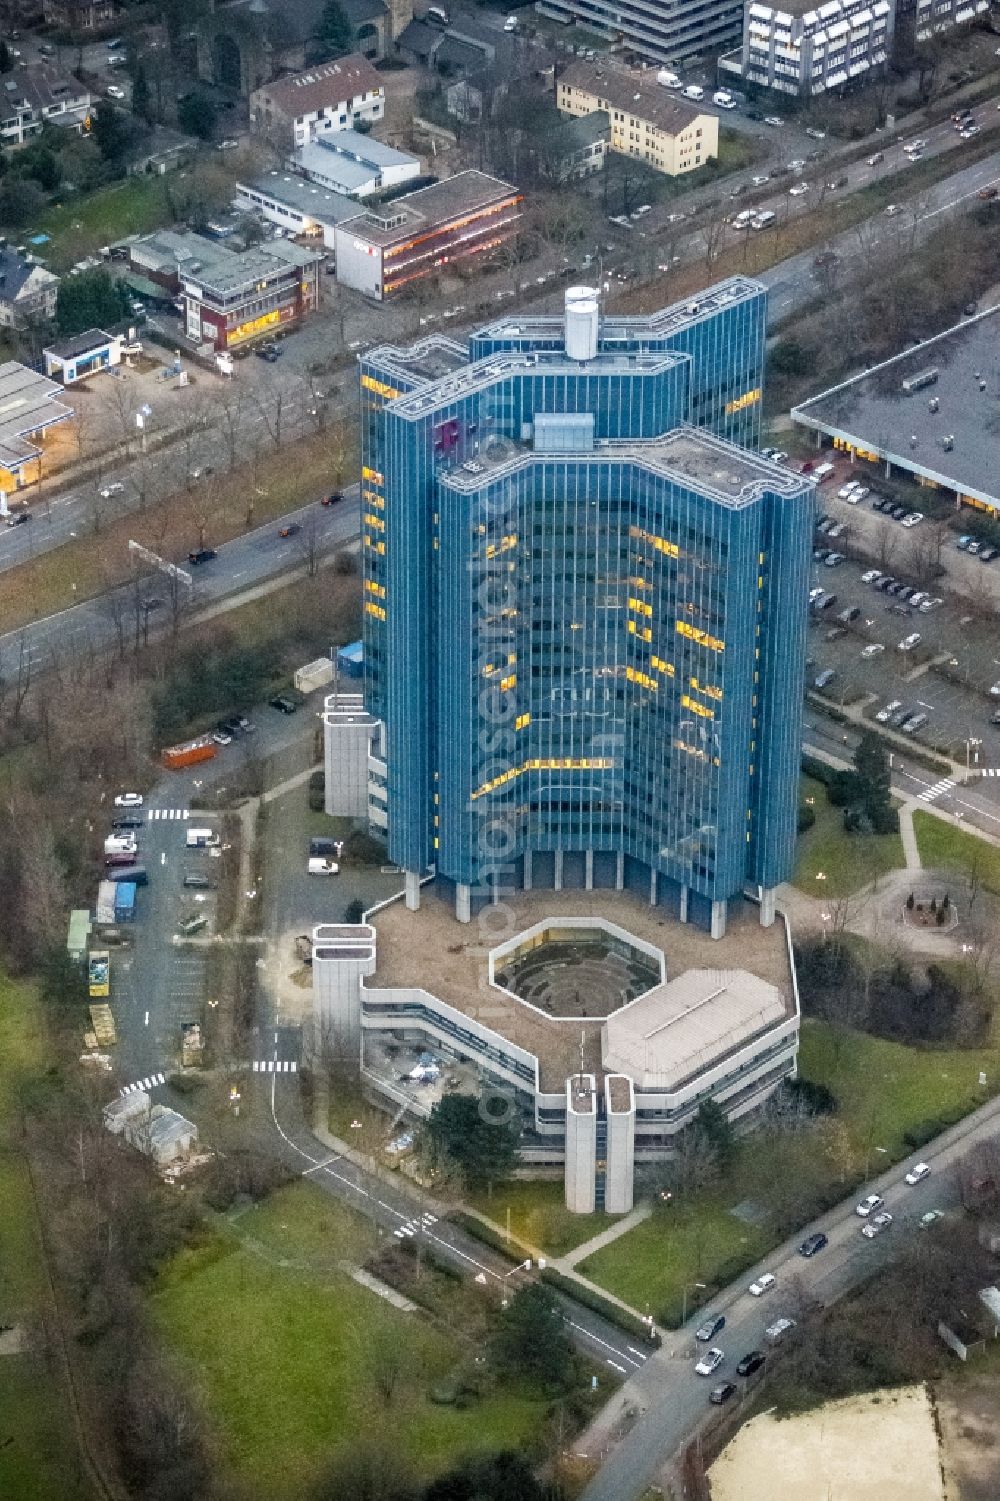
(920, 380)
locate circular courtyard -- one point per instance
(586, 972)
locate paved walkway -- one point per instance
(605, 1238)
(911, 853)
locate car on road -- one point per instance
(870, 576)
(202, 555)
(710, 1362)
(19, 518)
(269, 354)
(221, 736)
(710, 1328)
(798, 189)
(910, 641)
(128, 800)
(876, 1225)
(988, 193)
(775, 1333)
(130, 821)
(873, 161)
(814, 134)
(243, 724)
(113, 91)
(825, 678)
(114, 488)
(758, 181)
(291, 530)
(764, 1282)
(332, 498)
(931, 1218)
(918, 1172)
(914, 518)
(872, 650)
(850, 614)
(722, 1393)
(751, 1362)
(796, 165)
(282, 704)
(987, 554)
(892, 208)
(195, 879)
(868, 1205)
(775, 120)
(825, 258)
(813, 1243)
(320, 865)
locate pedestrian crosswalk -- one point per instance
(410, 1227)
(275, 1066)
(938, 790)
(149, 1083)
(155, 813)
(988, 771)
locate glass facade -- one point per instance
(584, 604)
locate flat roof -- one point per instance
(725, 471)
(29, 402)
(85, 343)
(663, 1037)
(432, 950)
(465, 193)
(322, 204)
(873, 411)
(636, 94)
(366, 148)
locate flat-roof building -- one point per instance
(403, 242)
(660, 30)
(295, 204)
(354, 164)
(933, 412)
(646, 121)
(805, 49)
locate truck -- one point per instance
(120, 858)
(203, 748)
(106, 903)
(120, 844)
(124, 901)
(137, 874)
(98, 973)
(202, 839)
(313, 675)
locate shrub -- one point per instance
(807, 817)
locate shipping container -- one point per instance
(106, 902)
(99, 972)
(124, 901)
(189, 754)
(313, 675)
(137, 874)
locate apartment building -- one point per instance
(646, 121)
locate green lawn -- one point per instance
(846, 862)
(285, 1350)
(539, 1217)
(941, 844)
(650, 1265)
(886, 1088)
(38, 1459)
(132, 207)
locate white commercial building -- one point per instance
(354, 164)
(294, 204)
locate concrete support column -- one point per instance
(652, 888)
(767, 906)
(463, 901)
(557, 878)
(588, 870)
(888, 469)
(718, 919)
(684, 904)
(412, 889)
(620, 871)
(527, 870)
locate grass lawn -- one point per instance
(38, 1459)
(132, 207)
(538, 1215)
(847, 861)
(886, 1088)
(96, 561)
(941, 844)
(285, 1350)
(650, 1266)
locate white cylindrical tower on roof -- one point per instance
(582, 319)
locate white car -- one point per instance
(873, 650)
(510, 24)
(796, 165)
(884, 715)
(723, 99)
(710, 1362)
(822, 471)
(876, 1226)
(870, 576)
(848, 489)
(761, 1286)
(930, 604)
(918, 1172)
(910, 641)
(914, 518)
(860, 492)
(774, 120)
(128, 800)
(759, 182)
(321, 866)
(869, 1205)
(798, 190)
(817, 135)
(114, 488)
(892, 208)
(114, 92)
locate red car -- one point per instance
(331, 500)
(290, 529)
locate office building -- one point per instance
(661, 31)
(397, 244)
(936, 17)
(585, 605)
(930, 412)
(646, 121)
(805, 50)
(318, 102)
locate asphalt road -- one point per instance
(674, 1400)
(119, 617)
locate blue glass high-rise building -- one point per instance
(585, 605)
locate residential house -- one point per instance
(302, 107)
(79, 15)
(42, 94)
(27, 291)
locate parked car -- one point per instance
(332, 498)
(710, 1362)
(195, 879)
(918, 1172)
(868, 1204)
(851, 613)
(222, 736)
(130, 821)
(192, 924)
(722, 1393)
(128, 800)
(876, 1225)
(931, 1218)
(775, 1333)
(202, 555)
(763, 1284)
(873, 649)
(910, 641)
(825, 678)
(813, 1243)
(19, 518)
(283, 705)
(751, 1362)
(711, 1327)
(913, 519)
(885, 714)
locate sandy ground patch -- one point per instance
(969, 1413)
(884, 1444)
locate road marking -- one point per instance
(938, 790)
(146, 1022)
(615, 1366)
(168, 813)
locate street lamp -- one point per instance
(684, 1300)
(523, 1266)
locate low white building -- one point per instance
(319, 101)
(296, 205)
(354, 164)
(82, 355)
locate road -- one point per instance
(118, 618)
(673, 1400)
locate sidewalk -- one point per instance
(598, 1242)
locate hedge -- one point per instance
(495, 1239)
(631, 1323)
